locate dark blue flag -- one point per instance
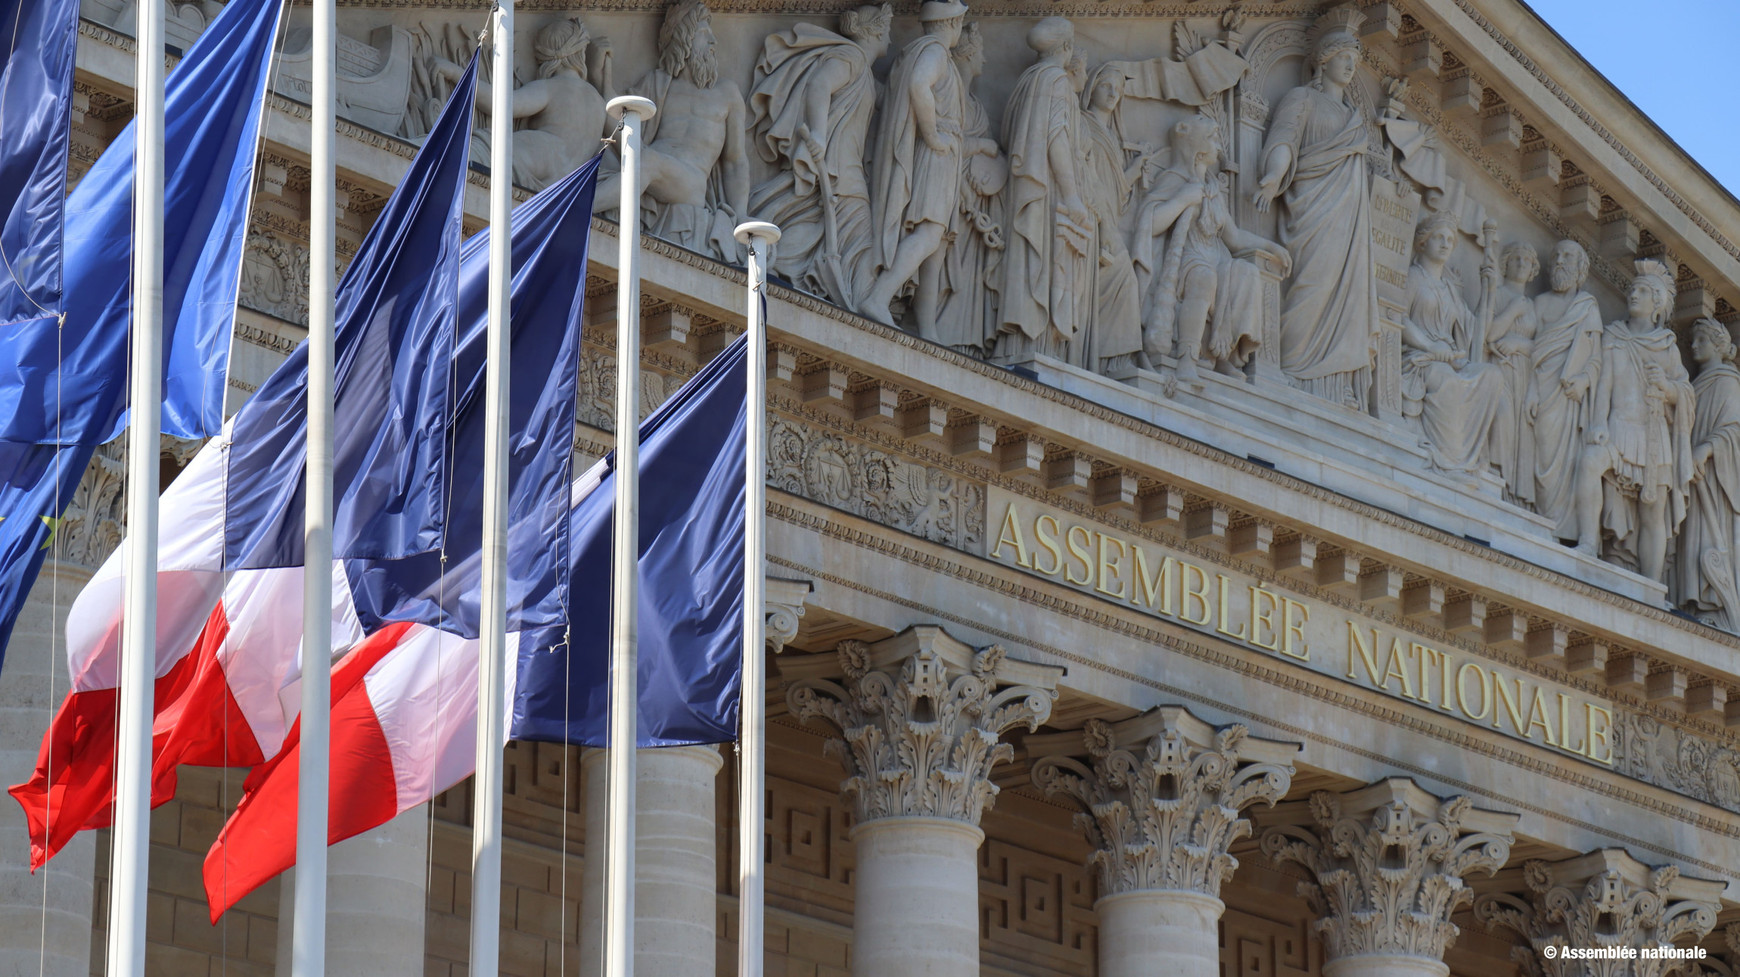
(36, 483)
(69, 385)
(37, 42)
(691, 582)
(549, 234)
(394, 348)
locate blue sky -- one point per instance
(1675, 59)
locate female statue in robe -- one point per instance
(1314, 160)
(1510, 345)
(1708, 557)
(1460, 400)
(967, 319)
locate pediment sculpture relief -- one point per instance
(1264, 215)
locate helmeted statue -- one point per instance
(916, 174)
(810, 109)
(1314, 160)
(1637, 455)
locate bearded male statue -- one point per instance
(694, 163)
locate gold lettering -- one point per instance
(1538, 717)
(1427, 656)
(1512, 703)
(1011, 535)
(1461, 689)
(1291, 629)
(1358, 650)
(1198, 594)
(1262, 617)
(1080, 553)
(1109, 569)
(1444, 682)
(1049, 541)
(1149, 586)
(1393, 666)
(1565, 725)
(1220, 626)
(1601, 733)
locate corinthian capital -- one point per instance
(1386, 863)
(920, 718)
(1603, 899)
(1162, 795)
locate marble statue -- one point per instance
(563, 112)
(1510, 342)
(1185, 246)
(1636, 463)
(1707, 574)
(1460, 399)
(809, 115)
(916, 172)
(1050, 250)
(1565, 362)
(1112, 326)
(1314, 160)
(970, 281)
(694, 166)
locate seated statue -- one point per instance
(1461, 400)
(1187, 274)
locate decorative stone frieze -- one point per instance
(920, 717)
(1386, 865)
(1163, 794)
(1604, 899)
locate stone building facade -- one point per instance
(1253, 490)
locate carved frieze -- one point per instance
(877, 484)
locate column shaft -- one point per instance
(916, 911)
(1139, 928)
(376, 902)
(676, 901)
(1385, 965)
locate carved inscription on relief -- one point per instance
(1394, 211)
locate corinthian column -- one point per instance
(1385, 867)
(1605, 900)
(920, 716)
(1162, 792)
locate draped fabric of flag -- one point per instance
(67, 384)
(404, 701)
(38, 39)
(227, 638)
(550, 235)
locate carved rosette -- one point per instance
(1603, 899)
(1163, 794)
(920, 718)
(1386, 865)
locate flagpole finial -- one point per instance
(749, 230)
(639, 105)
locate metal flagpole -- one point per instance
(131, 839)
(625, 557)
(308, 932)
(760, 236)
(486, 816)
